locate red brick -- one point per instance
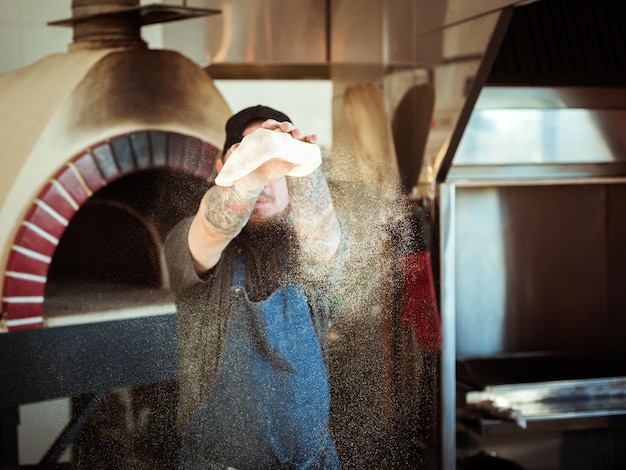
(16, 287)
(44, 220)
(23, 264)
(89, 171)
(72, 185)
(55, 199)
(28, 238)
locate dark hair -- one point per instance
(238, 122)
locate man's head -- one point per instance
(238, 123)
(274, 199)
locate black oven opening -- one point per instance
(110, 254)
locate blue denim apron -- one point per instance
(268, 407)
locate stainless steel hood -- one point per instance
(530, 198)
(554, 104)
(396, 45)
(556, 56)
(543, 132)
(325, 32)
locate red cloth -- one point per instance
(419, 302)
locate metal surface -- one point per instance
(547, 389)
(545, 126)
(267, 31)
(532, 257)
(104, 356)
(466, 75)
(448, 223)
(554, 393)
(564, 43)
(530, 174)
(390, 32)
(141, 15)
(351, 41)
(539, 279)
(534, 265)
(117, 23)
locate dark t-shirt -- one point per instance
(203, 302)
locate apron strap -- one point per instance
(239, 275)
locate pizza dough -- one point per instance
(263, 145)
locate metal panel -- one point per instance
(447, 202)
(539, 126)
(454, 120)
(537, 136)
(564, 43)
(73, 360)
(267, 31)
(530, 268)
(616, 265)
(356, 32)
(398, 32)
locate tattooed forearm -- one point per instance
(310, 193)
(314, 216)
(227, 210)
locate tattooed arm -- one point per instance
(312, 211)
(223, 212)
(314, 218)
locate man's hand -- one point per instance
(290, 129)
(274, 168)
(277, 168)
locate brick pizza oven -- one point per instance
(102, 150)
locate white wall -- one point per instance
(24, 35)
(307, 102)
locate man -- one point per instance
(253, 272)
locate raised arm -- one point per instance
(223, 212)
(314, 217)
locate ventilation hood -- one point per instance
(554, 103)
(275, 38)
(562, 57)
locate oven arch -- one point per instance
(49, 215)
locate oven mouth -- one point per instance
(109, 258)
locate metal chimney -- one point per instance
(117, 23)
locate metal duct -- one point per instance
(117, 23)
